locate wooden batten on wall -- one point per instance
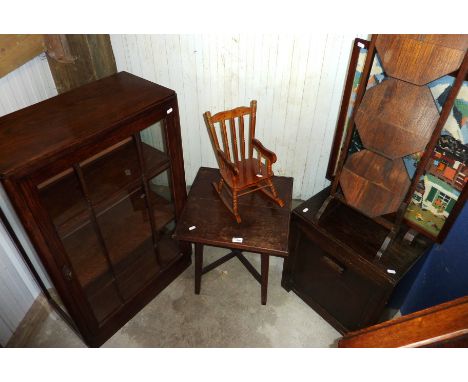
(92, 59)
(74, 60)
(16, 50)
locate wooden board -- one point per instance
(17, 49)
(353, 79)
(444, 325)
(420, 59)
(93, 59)
(396, 118)
(59, 124)
(374, 184)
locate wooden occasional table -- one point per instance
(264, 228)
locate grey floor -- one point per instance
(227, 313)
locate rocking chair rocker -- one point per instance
(243, 174)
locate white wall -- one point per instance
(17, 289)
(298, 82)
(28, 84)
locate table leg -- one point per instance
(265, 264)
(198, 266)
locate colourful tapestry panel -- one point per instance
(447, 172)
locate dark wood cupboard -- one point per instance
(97, 177)
(332, 264)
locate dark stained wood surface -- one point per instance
(127, 235)
(58, 125)
(374, 184)
(444, 325)
(349, 132)
(396, 118)
(332, 264)
(345, 101)
(265, 265)
(88, 135)
(264, 227)
(420, 59)
(345, 294)
(362, 236)
(452, 41)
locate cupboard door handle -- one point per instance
(67, 273)
(333, 264)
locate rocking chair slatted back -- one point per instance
(236, 140)
(225, 139)
(235, 149)
(242, 137)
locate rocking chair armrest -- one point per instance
(270, 155)
(228, 163)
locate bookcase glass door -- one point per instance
(108, 212)
(161, 191)
(72, 217)
(117, 192)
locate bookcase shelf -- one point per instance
(108, 183)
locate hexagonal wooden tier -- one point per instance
(374, 184)
(420, 59)
(396, 118)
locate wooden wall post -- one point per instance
(93, 59)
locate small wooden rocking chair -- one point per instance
(241, 175)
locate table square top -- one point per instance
(264, 227)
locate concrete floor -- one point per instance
(227, 313)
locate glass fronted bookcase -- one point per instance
(104, 213)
